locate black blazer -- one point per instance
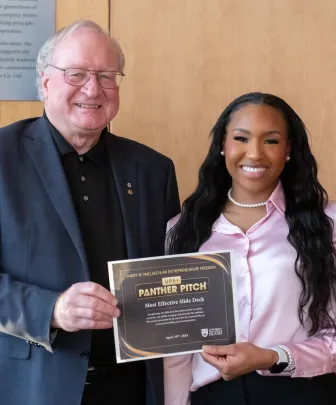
(42, 254)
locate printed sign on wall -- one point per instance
(24, 27)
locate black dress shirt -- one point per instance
(96, 203)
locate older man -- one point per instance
(72, 197)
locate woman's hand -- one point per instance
(239, 359)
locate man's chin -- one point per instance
(91, 127)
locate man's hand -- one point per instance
(85, 306)
(238, 359)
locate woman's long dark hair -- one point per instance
(310, 229)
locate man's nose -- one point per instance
(92, 88)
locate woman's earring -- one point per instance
(222, 153)
(288, 158)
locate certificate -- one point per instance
(173, 304)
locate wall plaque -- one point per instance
(24, 27)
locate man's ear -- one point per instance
(45, 82)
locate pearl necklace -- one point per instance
(261, 204)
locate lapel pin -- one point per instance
(130, 192)
(129, 185)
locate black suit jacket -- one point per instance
(42, 254)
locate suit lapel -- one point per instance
(126, 180)
(41, 148)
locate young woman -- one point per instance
(258, 194)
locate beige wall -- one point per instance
(67, 11)
(186, 59)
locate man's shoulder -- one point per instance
(139, 151)
(18, 127)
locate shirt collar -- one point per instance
(95, 154)
(277, 199)
(63, 146)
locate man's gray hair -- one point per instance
(44, 57)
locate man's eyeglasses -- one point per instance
(108, 79)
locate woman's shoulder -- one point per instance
(173, 221)
(331, 210)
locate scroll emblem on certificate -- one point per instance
(173, 304)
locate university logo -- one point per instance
(215, 332)
(204, 332)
